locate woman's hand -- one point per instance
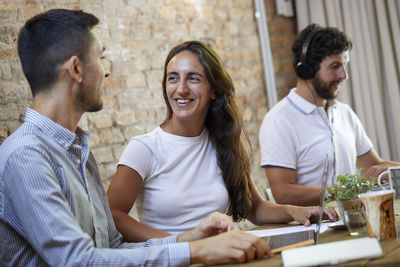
(306, 215)
(214, 224)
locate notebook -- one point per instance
(283, 240)
(332, 253)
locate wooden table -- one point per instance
(390, 248)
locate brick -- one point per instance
(94, 140)
(137, 79)
(111, 136)
(261, 111)
(84, 122)
(9, 33)
(162, 31)
(16, 70)
(231, 28)
(109, 102)
(147, 13)
(31, 9)
(128, 99)
(124, 68)
(101, 119)
(168, 13)
(6, 54)
(285, 68)
(3, 133)
(5, 72)
(154, 79)
(140, 63)
(9, 111)
(247, 114)
(198, 29)
(133, 130)
(12, 91)
(186, 13)
(127, 13)
(146, 115)
(103, 154)
(140, 31)
(113, 83)
(220, 14)
(2, 96)
(135, 47)
(117, 151)
(22, 106)
(8, 15)
(107, 171)
(156, 61)
(124, 118)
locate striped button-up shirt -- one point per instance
(53, 208)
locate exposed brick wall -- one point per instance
(282, 32)
(138, 35)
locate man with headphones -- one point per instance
(309, 129)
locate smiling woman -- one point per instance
(197, 152)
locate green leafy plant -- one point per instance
(349, 187)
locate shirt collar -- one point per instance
(303, 105)
(58, 133)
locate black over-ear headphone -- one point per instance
(303, 70)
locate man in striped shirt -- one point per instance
(53, 208)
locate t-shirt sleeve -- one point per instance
(138, 156)
(276, 145)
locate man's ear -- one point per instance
(74, 67)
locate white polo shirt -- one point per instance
(297, 134)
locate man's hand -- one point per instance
(234, 245)
(214, 224)
(306, 215)
(375, 170)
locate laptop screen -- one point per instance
(321, 201)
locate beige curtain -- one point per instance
(373, 87)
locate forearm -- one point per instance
(134, 231)
(295, 194)
(268, 212)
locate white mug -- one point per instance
(394, 179)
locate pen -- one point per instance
(295, 245)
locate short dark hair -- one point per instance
(325, 41)
(49, 39)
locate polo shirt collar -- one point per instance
(303, 105)
(59, 134)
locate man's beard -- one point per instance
(87, 104)
(323, 89)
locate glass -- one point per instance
(380, 213)
(355, 222)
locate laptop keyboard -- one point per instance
(277, 241)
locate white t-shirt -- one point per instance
(297, 134)
(182, 182)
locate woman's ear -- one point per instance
(75, 68)
(213, 95)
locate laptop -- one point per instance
(279, 242)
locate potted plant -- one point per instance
(347, 189)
